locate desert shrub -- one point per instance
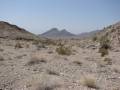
(116, 68)
(39, 46)
(1, 58)
(1, 50)
(103, 51)
(77, 63)
(51, 72)
(63, 50)
(27, 45)
(108, 61)
(36, 42)
(36, 60)
(95, 38)
(89, 81)
(105, 42)
(105, 61)
(49, 42)
(18, 45)
(104, 46)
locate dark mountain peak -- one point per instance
(64, 30)
(54, 29)
(54, 32)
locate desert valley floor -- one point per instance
(25, 65)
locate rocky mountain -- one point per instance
(112, 32)
(55, 33)
(10, 31)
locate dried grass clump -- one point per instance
(36, 59)
(116, 68)
(89, 81)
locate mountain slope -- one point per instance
(51, 33)
(112, 32)
(10, 31)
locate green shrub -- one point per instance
(63, 50)
(104, 46)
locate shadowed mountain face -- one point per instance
(55, 33)
(14, 32)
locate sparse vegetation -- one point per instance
(1, 58)
(39, 46)
(103, 51)
(36, 60)
(45, 65)
(95, 38)
(105, 61)
(77, 63)
(104, 46)
(51, 72)
(108, 61)
(18, 45)
(1, 50)
(116, 68)
(64, 50)
(89, 81)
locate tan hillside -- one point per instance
(112, 32)
(10, 31)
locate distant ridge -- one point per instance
(55, 33)
(10, 31)
(88, 34)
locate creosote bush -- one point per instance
(103, 51)
(104, 46)
(64, 50)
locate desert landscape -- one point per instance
(32, 62)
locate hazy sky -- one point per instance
(76, 16)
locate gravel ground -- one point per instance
(33, 68)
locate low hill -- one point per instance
(10, 31)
